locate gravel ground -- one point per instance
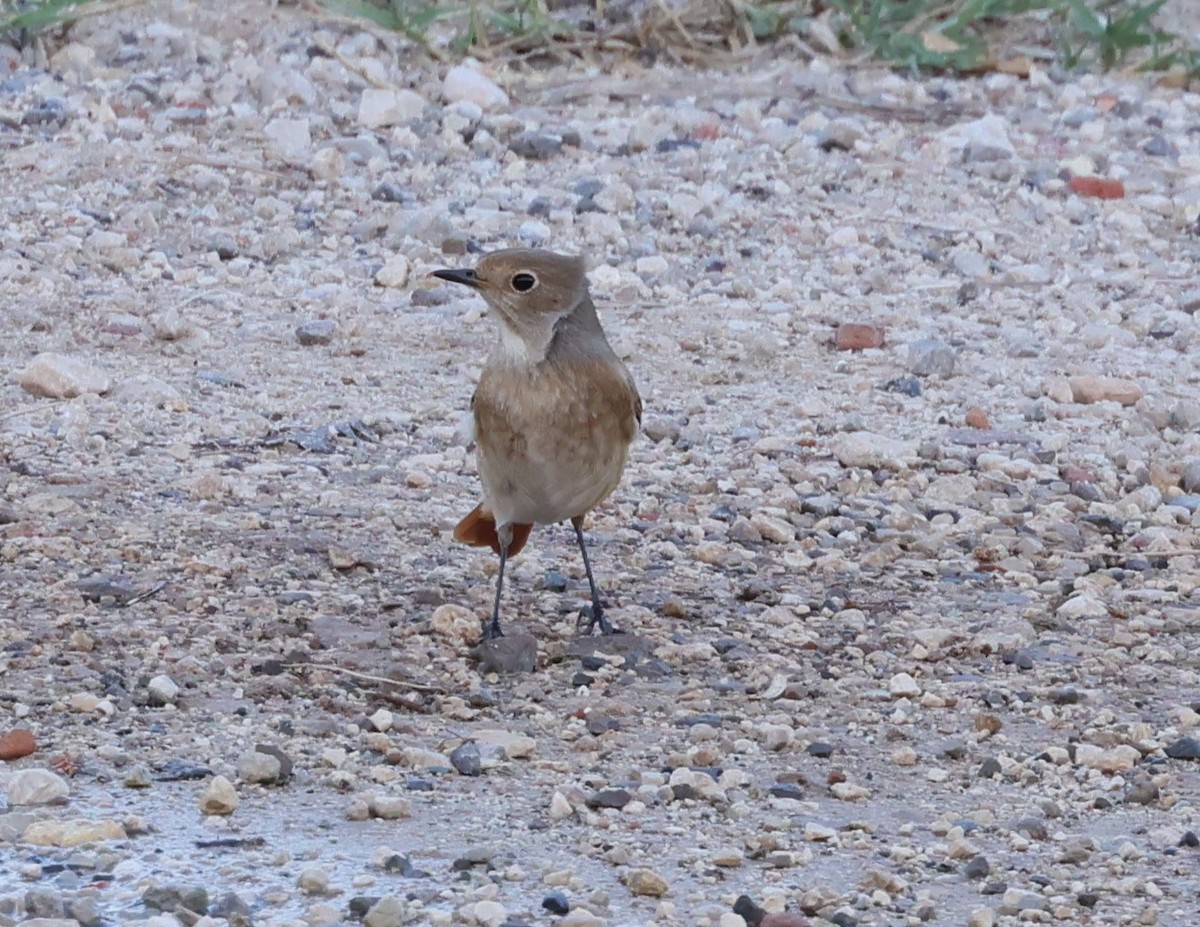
(906, 553)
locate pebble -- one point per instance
(313, 881)
(288, 138)
(171, 896)
(16, 744)
(930, 358)
(219, 797)
(980, 140)
(395, 273)
(512, 653)
(869, 450)
(466, 83)
(772, 529)
(556, 903)
(379, 107)
(253, 766)
(390, 807)
(902, 685)
(610, 798)
(467, 760)
(646, 882)
(1089, 389)
(560, 808)
(162, 690)
(1016, 901)
(63, 376)
(316, 331)
(535, 146)
(515, 746)
(489, 913)
(1107, 759)
(1185, 748)
(36, 787)
(857, 336)
(458, 623)
(72, 833)
(977, 418)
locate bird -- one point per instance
(554, 411)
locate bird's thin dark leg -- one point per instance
(597, 612)
(492, 631)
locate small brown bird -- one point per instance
(554, 412)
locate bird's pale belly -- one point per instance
(538, 488)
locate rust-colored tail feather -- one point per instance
(478, 529)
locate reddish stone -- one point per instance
(784, 919)
(977, 418)
(855, 336)
(1099, 187)
(16, 744)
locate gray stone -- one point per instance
(513, 653)
(930, 357)
(535, 146)
(86, 910)
(316, 331)
(467, 760)
(388, 911)
(44, 902)
(171, 896)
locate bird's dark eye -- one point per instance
(523, 282)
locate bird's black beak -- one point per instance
(465, 277)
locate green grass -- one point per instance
(35, 16)
(1092, 34)
(920, 35)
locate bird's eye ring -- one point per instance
(523, 282)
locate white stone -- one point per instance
(869, 450)
(36, 787)
(466, 83)
(773, 529)
(220, 797)
(288, 138)
(395, 272)
(381, 106)
(163, 690)
(382, 720)
(63, 376)
(902, 685)
(1110, 760)
(515, 746)
(313, 881)
(253, 766)
(388, 911)
(489, 913)
(143, 387)
(1082, 606)
(984, 139)
(559, 807)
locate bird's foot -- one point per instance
(492, 631)
(594, 614)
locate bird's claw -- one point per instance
(594, 614)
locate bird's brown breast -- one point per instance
(552, 437)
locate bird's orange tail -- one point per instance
(478, 529)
